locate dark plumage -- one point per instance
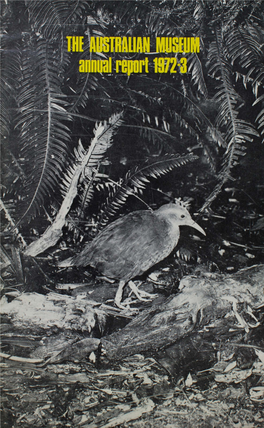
(132, 244)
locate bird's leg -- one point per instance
(140, 294)
(119, 294)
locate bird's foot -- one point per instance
(125, 305)
(126, 308)
(141, 294)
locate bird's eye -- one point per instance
(182, 216)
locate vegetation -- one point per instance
(215, 111)
(80, 149)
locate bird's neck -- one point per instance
(174, 230)
(173, 226)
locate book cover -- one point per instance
(132, 220)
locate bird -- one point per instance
(132, 244)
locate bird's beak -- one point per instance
(197, 227)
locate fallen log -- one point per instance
(217, 302)
(208, 307)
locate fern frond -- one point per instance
(199, 12)
(43, 132)
(88, 161)
(136, 180)
(169, 21)
(215, 133)
(79, 153)
(88, 82)
(9, 59)
(237, 131)
(50, 17)
(4, 111)
(244, 45)
(260, 120)
(196, 69)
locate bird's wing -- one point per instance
(129, 246)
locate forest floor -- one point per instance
(223, 388)
(135, 393)
(140, 391)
